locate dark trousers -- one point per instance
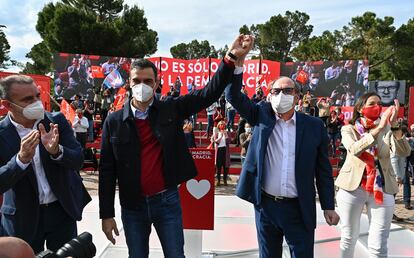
(231, 113)
(210, 123)
(55, 227)
(162, 210)
(278, 219)
(407, 187)
(221, 163)
(81, 138)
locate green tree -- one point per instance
(44, 59)
(402, 63)
(105, 9)
(280, 34)
(193, 50)
(100, 27)
(369, 37)
(4, 48)
(222, 51)
(328, 46)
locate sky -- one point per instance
(217, 21)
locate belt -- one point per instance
(279, 198)
(49, 204)
(160, 194)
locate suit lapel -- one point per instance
(11, 137)
(299, 136)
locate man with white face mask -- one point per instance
(144, 149)
(290, 152)
(39, 163)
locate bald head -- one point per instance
(284, 82)
(15, 248)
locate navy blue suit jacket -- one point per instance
(311, 155)
(20, 209)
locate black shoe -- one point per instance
(396, 218)
(408, 207)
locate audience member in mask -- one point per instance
(245, 139)
(222, 141)
(287, 146)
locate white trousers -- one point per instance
(350, 206)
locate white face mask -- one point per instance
(142, 92)
(315, 81)
(282, 103)
(33, 111)
(248, 129)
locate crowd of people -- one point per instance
(284, 152)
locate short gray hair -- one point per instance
(7, 82)
(296, 85)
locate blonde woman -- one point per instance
(222, 148)
(367, 178)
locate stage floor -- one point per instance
(234, 234)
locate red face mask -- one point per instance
(372, 113)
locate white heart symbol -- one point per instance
(198, 188)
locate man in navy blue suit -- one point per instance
(288, 151)
(39, 163)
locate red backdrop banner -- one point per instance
(42, 82)
(197, 194)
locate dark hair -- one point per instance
(7, 82)
(144, 63)
(360, 103)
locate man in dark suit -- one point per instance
(39, 163)
(144, 148)
(288, 152)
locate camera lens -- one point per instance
(79, 247)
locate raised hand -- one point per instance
(394, 113)
(28, 146)
(241, 46)
(385, 117)
(50, 139)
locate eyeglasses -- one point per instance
(286, 91)
(383, 88)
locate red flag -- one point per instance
(67, 110)
(120, 98)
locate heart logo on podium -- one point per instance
(198, 188)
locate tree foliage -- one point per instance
(194, 50)
(277, 37)
(100, 27)
(4, 48)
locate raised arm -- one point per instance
(201, 99)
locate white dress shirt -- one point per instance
(80, 125)
(279, 163)
(45, 192)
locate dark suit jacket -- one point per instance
(120, 144)
(311, 157)
(20, 209)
